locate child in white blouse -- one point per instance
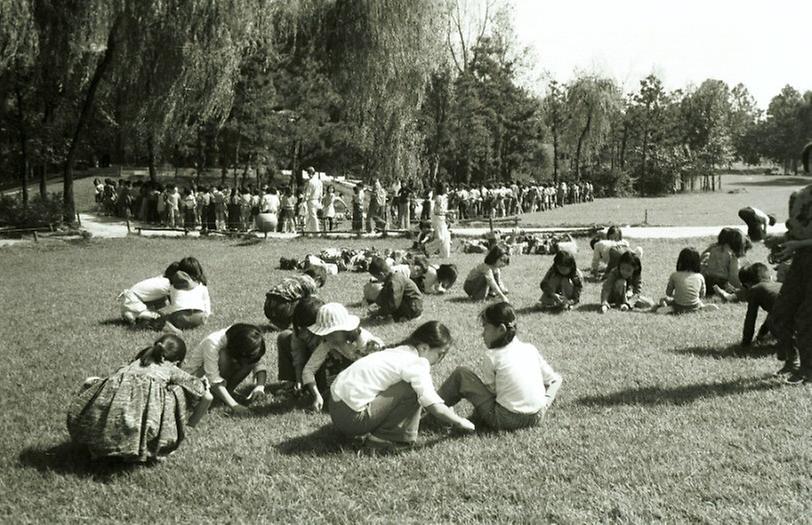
(379, 397)
(189, 301)
(136, 301)
(516, 387)
(686, 287)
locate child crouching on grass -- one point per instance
(294, 347)
(399, 296)
(140, 412)
(225, 358)
(281, 300)
(137, 300)
(623, 288)
(686, 286)
(379, 397)
(342, 340)
(516, 386)
(759, 291)
(562, 284)
(720, 261)
(433, 278)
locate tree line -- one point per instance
(398, 89)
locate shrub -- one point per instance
(39, 212)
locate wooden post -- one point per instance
(128, 224)
(490, 222)
(78, 219)
(36, 237)
(645, 219)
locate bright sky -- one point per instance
(763, 44)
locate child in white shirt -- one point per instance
(152, 290)
(686, 287)
(379, 397)
(516, 387)
(189, 303)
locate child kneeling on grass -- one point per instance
(720, 261)
(379, 397)
(140, 412)
(343, 340)
(433, 278)
(686, 286)
(623, 288)
(485, 280)
(516, 386)
(226, 357)
(562, 284)
(136, 301)
(294, 347)
(399, 296)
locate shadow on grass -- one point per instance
(116, 321)
(248, 240)
(734, 351)
(69, 458)
(588, 307)
(681, 395)
(779, 181)
(462, 299)
(327, 441)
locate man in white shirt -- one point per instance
(313, 195)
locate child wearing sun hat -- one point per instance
(342, 339)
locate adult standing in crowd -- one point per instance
(313, 195)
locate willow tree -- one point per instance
(383, 54)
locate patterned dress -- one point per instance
(136, 414)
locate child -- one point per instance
(485, 280)
(624, 286)
(399, 296)
(189, 303)
(172, 206)
(720, 261)
(342, 339)
(329, 206)
(760, 292)
(432, 278)
(234, 210)
(294, 347)
(562, 285)
(301, 211)
(686, 286)
(793, 307)
(288, 211)
(516, 387)
(358, 208)
(189, 209)
(226, 357)
(757, 222)
(602, 250)
(155, 289)
(140, 412)
(379, 397)
(282, 298)
(220, 208)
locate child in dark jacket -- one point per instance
(561, 286)
(399, 296)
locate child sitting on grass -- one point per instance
(379, 397)
(342, 339)
(623, 288)
(136, 301)
(140, 412)
(485, 280)
(281, 300)
(399, 296)
(562, 284)
(720, 261)
(686, 286)
(516, 386)
(602, 248)
(759, 291)
(225, 358)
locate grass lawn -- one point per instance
(659, 417)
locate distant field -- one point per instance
(660, 418)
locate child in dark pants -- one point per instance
(295, 346)
(756, 221)
(760, 292)
(283, 298)
(399, 296)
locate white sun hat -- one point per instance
(333, 317)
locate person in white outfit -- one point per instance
(313, 195)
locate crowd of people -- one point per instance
(318, 208)
(376, 392)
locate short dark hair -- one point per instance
(377, 266)
(447, 275)
(193, 267)
(496, 253)
(689, 260)
(631, 258)
(306, 311)
(754, 273)
(245, 342)
(565, 258)
(614, 230)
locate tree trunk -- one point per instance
(623, 146)
(43, 182)
(581, 139)
(69, 209)
(153, 172)
(24, 161)
(296, 171)
(555, 156)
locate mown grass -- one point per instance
(660, 418)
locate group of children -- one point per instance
(377, 392)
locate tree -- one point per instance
(784, 129)
(555, 117)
